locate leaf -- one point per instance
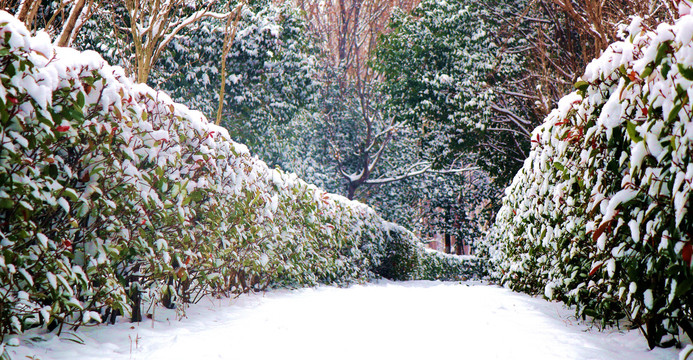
(632, 133)
(582, 85)
(6, 203)
(687, 252)
(686, 72)
(596, 268)
(674, 114)
(70, 193)
(648, 70)
(591, 312)
(662, 50)
(600, 230)
(683, 287)
(665, 69)
(80, 99)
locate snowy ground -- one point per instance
(411, 320)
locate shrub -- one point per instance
(600, 214)
(112, 195)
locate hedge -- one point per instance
(600, 214)
(112, 196)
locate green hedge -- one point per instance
(112, 196)
(600, 214)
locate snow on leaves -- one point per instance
(112, 195)
(608, 182)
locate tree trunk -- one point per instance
(136, 298)
(69, 27)
(27, 12)
(351, 189)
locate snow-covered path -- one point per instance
(411, 320)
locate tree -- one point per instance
(489, 72)
(271, 66)
(135, 33)
(60, 19)
(362, 133)
(442, 74)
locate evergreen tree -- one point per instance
(444, 75)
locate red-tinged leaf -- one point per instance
(62, 128)
(563, 122)
(67, 243)
(600, 230)
(538, 138)
(50, 160)
(632, 76)
(12, 99)
(686, 252)
(187, 260)
(595, 268)
(644, 111)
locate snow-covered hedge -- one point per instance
(600, 214)
(112, 195)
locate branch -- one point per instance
(455, 171)
(408, 174)
(182, 25)
(514, 118)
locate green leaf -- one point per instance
(582, 85)
(53, 171)
(674, 114)
(683, 287)
(662, 50)
(648, 70)
(686, 72)
(6, 203)
(70, 193)
(96, 170)
(632, 133)
(196, 195)
(591, 312)
(622, 70)
(665, 69)
(80, 99)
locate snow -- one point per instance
(387, 320)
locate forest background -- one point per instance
(422, 110)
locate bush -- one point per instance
(404, 258)
(112, 195)
(600, 214)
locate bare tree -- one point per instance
(152, 24)
(81, 11)
(62, 19)
(349, 31)
(566, 35)
(229, 37)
